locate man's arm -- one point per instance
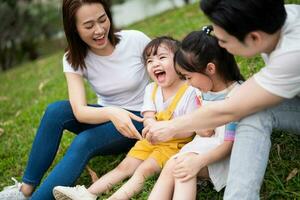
(248, 99)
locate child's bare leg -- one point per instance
(125, 169)
(164, 186)
(188, 190)
(185, 190)
(27, 189)
(136, 182)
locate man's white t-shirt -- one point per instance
(187, 103)
(281, 75)
(119, 79)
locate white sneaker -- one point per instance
(12, 192)
(73, 193)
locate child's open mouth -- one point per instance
(160, 75)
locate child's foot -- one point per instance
(72, 193)
(12, 192)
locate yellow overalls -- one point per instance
(161, 152)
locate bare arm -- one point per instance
(149, 117)
(77, 97)
(95, 115)
(248, 99)
(217, 154)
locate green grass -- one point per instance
(26, 90)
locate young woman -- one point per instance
(112, 64)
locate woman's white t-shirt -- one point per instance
(120, 78)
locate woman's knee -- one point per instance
(58, 110)
(83, 142)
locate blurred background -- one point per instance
(33, 28)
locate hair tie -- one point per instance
(207, 29)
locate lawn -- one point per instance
(26, 90)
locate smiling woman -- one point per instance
(93, 27)
(95, 51)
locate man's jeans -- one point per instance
(250, 153)
(91, 140)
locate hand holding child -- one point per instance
(158, 131)
(188, 166)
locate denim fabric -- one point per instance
(250, 153)
(91, 140)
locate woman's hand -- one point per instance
(159, 131)
(188, 166)
(122, 120)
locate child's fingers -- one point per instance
(180, 175)
(178, 170)
(149, 137)
(185, 179)
(145, 131)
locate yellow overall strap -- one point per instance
(167, 114)
(154, 92)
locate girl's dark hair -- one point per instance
(239, 18)
(77, 48)
(200, 48)
(152, 46)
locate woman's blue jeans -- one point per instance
(91, 140)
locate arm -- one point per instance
(217, 154)
(189, 165)
(77, 97)
(149, 117)
(248, 99)
(93, 115)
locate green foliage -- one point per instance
(23, 25)
(27, 90)
(292, 1)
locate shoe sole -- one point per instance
(60, 196)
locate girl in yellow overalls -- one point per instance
(165, 98)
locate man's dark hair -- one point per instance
(240, 17)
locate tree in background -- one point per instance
(24, 24)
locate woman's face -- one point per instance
(196, 79)
(93, 26)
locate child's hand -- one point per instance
(205, 133)
(148, 121)
(188, 166)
